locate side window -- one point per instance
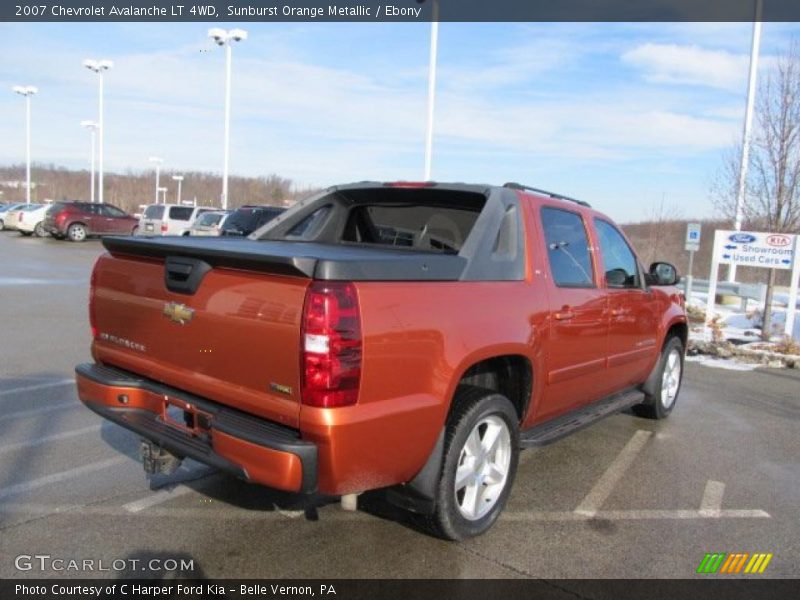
(567, 248)
(180, 213)
(618, 259)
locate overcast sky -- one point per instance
(618, 114)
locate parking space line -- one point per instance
(157, 498)
(33, 484)
(49, 438)
(632, 515)
(23, 414)
(711, 504)
(37, 386)
(597, 496)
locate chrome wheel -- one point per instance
(77, 233)
(671, 378)
(482, 468)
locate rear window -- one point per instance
(209, 219)
(181, 213)
(154, 212)
(249, 219)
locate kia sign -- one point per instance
(755, 249)
(751, 249)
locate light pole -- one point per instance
(163, 191)
(157, 162)
(431, 89)
(27, 91)
(748, 121)
(225, 38)
(99, 66)
(179, 179)
(92, 127)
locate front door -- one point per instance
(576, 355)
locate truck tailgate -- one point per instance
(235, 340)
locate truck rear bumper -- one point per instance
(239, 443)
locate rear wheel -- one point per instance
(666, 383)
(25, 233)
(77, 232)
(40, 231)
(134, 230)
(480, 461)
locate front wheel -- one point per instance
(480, 462)
(663, 394)
(76, 232)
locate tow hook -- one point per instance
(156, 460)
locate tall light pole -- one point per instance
(225, 38)
(27, 91)
(179, 179)
(92, 127)
(163, 191)
(431, 89)
(157, 162)
(748, 122)
(99, 66)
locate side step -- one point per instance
(559, 427)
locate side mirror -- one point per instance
(662, 273)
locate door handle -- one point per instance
(564, 314)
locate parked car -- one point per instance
(170, 219)
(245, 220)
(14, 215)
(5, 210)
(77, 221)
(209, 223)
(30, 220)
(407, 336)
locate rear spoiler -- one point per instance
(297, 259)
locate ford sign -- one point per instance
(742, 238)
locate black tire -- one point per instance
(135, 230)
(40, 231)
(77, 232)
(471, 407)
(657, 404)
(2, 225)
(26, 233)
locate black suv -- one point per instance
(245, 220)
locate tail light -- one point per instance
(21, 217)
(92, 291)
(164, 228)
(331, 338)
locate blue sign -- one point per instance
(742, 238)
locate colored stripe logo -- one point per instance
(734, 563)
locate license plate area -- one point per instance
(148, 227)
(186, 417)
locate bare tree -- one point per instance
(772, 191)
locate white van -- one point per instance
(170, 219)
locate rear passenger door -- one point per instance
(576, 355)
(633, 310)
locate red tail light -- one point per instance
(21, 217)
(92, 290)
(331, 339)
(164, 228)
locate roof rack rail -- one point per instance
(518, 186)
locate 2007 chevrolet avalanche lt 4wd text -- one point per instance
(409, 336)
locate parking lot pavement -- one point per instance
(627, 497)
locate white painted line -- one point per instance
(34, 484)
(24, 414)
(711, 504)
(49, 438)
(632, 515)
(597, 496)
(37, 386)
(157, 498)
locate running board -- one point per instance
(559, 427)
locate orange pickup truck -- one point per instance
(407, 336)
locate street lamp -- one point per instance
(157, 162)
(179, 179)
(163, 191)
(27, 91)
(225, 38)
(98, 66)
(431, 89)
(92, 126)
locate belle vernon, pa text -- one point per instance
(175, 591)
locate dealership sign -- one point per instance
(756, 249)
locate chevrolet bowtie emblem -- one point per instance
(179, 313)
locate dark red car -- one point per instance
(78, 220)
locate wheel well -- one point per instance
(679, 330)
(511, 376)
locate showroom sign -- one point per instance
(756, 249)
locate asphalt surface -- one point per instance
(626, 497)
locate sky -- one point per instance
(629, 117)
